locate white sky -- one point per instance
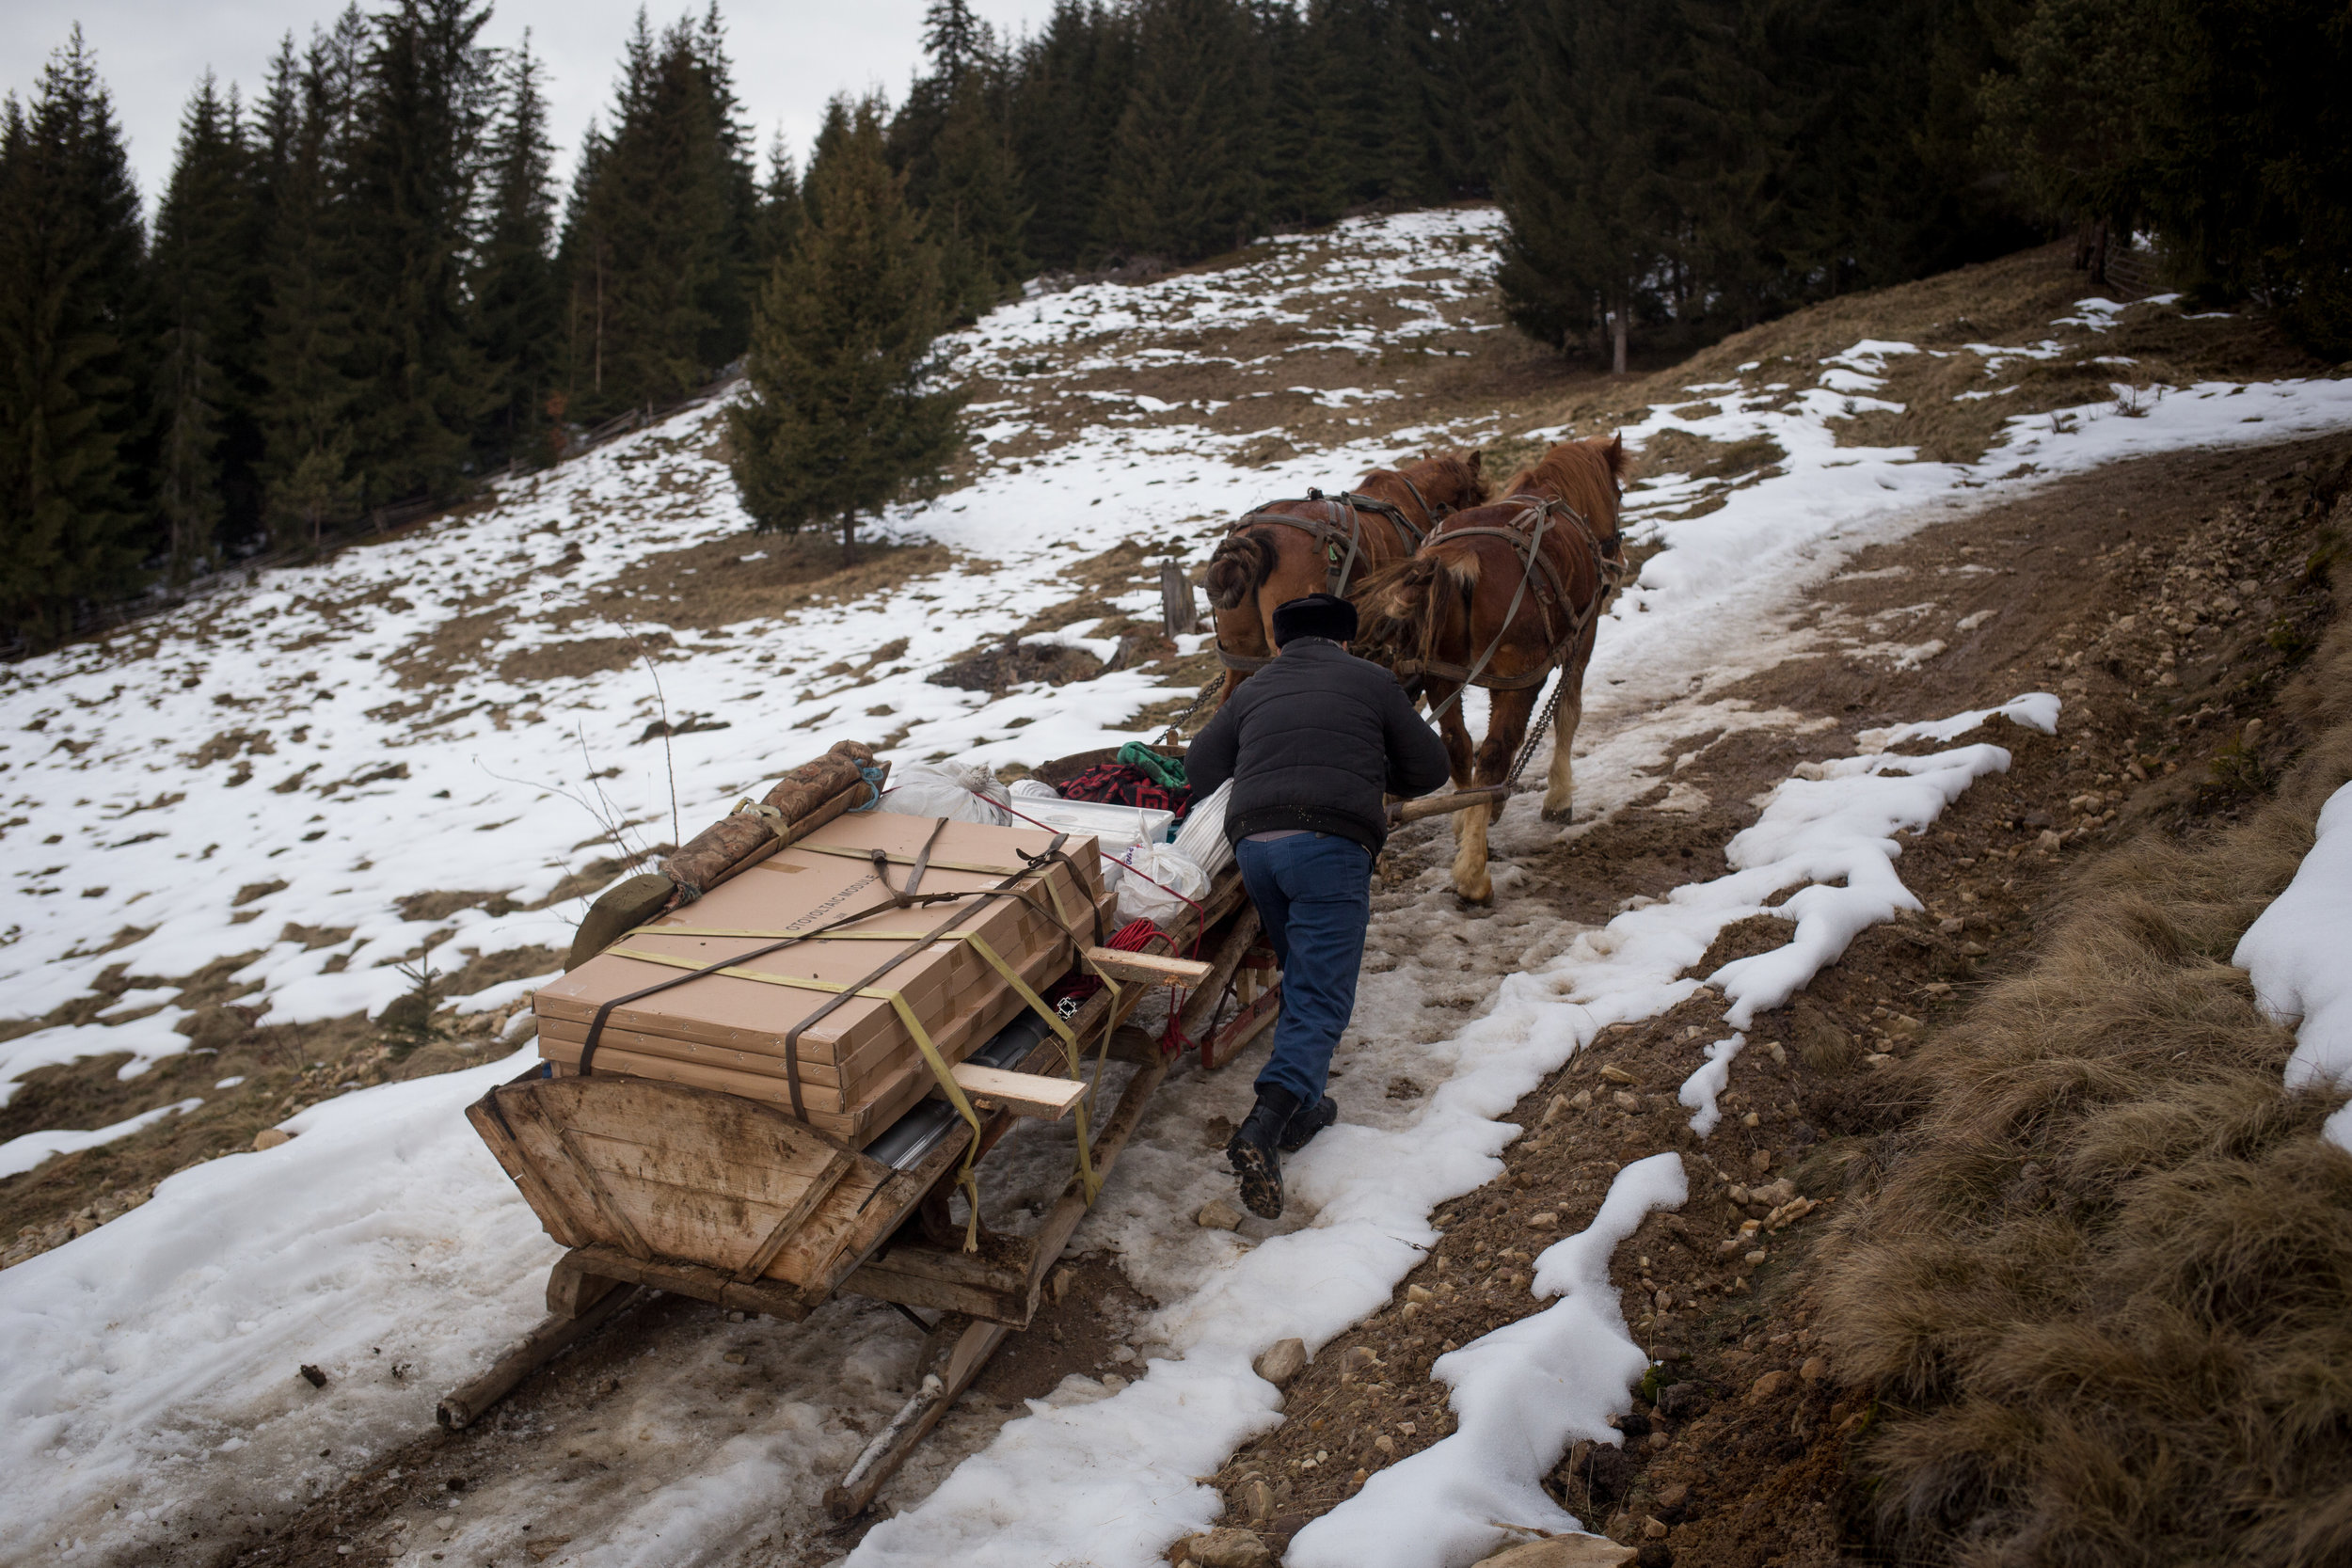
(789, 55)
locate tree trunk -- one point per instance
(848, 539)
(1616, 332)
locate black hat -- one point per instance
(1316, 615)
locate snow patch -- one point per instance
(2295, 955)
(1522, 1395)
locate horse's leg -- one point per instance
(1507, 723)
(1560, 784)
(1559, 781)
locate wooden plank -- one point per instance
(1244, 1027)
(572, 1290)
(462, 1407)
(773, 1297)
(1023, 1094)
(960, 1350)
(1151, 968)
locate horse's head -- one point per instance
(1589, 475)
(1452, 481)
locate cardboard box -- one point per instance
(727, 1032)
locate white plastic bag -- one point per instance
(1035, 788)
(1158, 874)
(1201, 839)
(947, 789)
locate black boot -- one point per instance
(1308, 1121)
(1252, 1151)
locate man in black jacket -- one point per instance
(1312, 744)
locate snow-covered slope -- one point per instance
(400, 720)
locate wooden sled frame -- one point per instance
(778, 1217)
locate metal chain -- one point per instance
(1535, 735)
(1217, 683)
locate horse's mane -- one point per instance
(1585, 474)
(1427, 472)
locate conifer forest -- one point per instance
(361, 289)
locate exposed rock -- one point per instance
(1281, 1362)
(1813, 1370)
(1564, 1551)
(270, 1137)
(1618, 1075)
(1217, 1214)
(1766, 1387)
(1230, 1548)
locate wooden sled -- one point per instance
(661, 1186)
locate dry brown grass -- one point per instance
(2104, 1287)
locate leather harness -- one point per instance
(1342, 524)
(1528, 541)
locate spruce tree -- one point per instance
(779, 207)
(1586, 186)
(1184, 182)
(424, 385)
(205, 285)
(840, 418)
(518, 314)
(1070, 89)
(974, 216)
(660, 236)
(72, 302)
(306, 390)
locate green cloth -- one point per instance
(1168, 773)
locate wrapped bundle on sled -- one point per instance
(806, 983)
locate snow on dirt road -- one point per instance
(305, 752)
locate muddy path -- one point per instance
(2165, 599)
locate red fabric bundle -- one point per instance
(1124, 784)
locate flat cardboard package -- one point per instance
(858, 1066)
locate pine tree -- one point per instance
(1590, 219)
(1184, 179)
(205, 284)
(1070, 89)
(70, 304)
(2073, 117)
(1458, 103)
(779, 207)
(660, 236)
(973, 216)
(424, 386)
(312, 279)
(840, 417)
(518, 313)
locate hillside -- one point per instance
(236, 834)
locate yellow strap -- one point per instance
(897, 1000)
(1074, 1052)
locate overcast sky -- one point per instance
(789, 55)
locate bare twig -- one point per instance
(668, 759)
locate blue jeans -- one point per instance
(1314, 893)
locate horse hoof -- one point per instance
(1559, 814)
(1480, 899)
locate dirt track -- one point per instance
(1738, 1451)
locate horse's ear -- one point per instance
(1614, 452)
(1477, 462)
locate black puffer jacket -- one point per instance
(1313, 740)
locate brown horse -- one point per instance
(1287, 549)
(1499, 596)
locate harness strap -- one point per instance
(1530, 547)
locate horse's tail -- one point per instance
(1401, 609)
(1240, 567)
